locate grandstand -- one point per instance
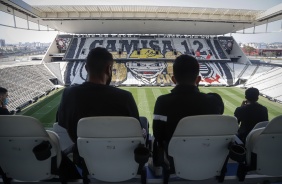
(144, 60)
(144, 41)
(26, 84)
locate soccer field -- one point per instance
(145, 97)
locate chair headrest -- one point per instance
(21, 126)
(207, 125)
(274, 126)
(109, 126)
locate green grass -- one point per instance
(145, 97)
(45, 109)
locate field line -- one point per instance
(143, 104)
(156, 93)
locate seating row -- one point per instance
(168, 48)
(110, 148)
(25, 83)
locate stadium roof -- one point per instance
(141, 19)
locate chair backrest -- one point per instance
(19, 135)
(261, 124)
(107, 145)
(199, 145)
(65, 141)
(266, 143)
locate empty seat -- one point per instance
(199, 145)
(107, 146)
(28, 152)
(264, 150)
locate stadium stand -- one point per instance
(63, 42)
(141, 60)
(269, 83)
(56, 70)
(119, 73)
(182, 46)
(201, 49)
(237, 70)
(149, 47)
(248, 71)
(150, 73)
(71, 49)
(211, 74)
(26, 84)
(219, 49)
(226, 43)
(258, 72)
(212, 48)
(79, 73)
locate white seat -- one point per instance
(19, 135)
(65, 141)
(199, 145)
(261, 125)
(107, 146)
(266, 144)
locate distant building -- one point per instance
(2, 43)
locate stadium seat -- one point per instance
(199, 145)
(28, 152)
(262, 124)
(65, 141)
(107, 145)
(264, 151)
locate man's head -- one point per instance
(3, 96)
(99, 65)
(252, 94)
(186, 70)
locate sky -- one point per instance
(12, 35)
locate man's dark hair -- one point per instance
(3, 91)
(185, 69)
(97, 59)
(252, 94)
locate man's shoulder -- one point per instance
(165, 97)
(261, 106)
(198, 95)
(212, 96)
(107, 88)
(118, 90)
(239, 110)
(72, 88)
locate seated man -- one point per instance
(4, 101)
(92, 98)
(184, 100)
(250, 113)
(95, 97)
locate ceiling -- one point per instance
(115, 19)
